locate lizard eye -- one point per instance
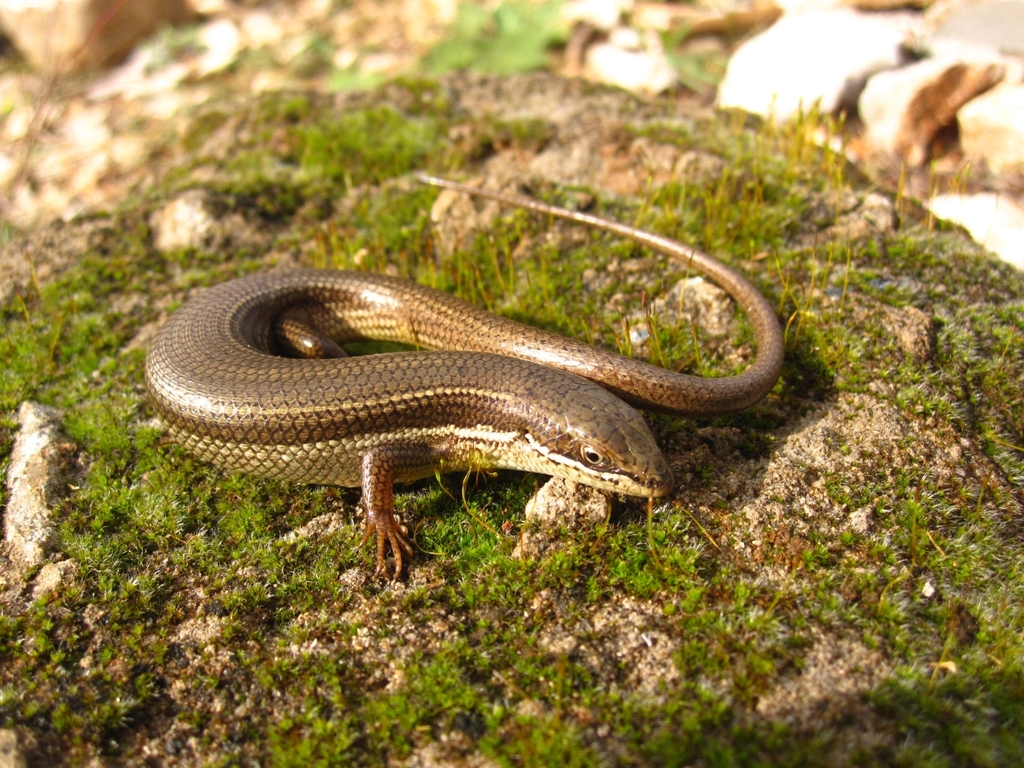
(591, 456)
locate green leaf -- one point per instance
(515, 37)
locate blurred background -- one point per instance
(928, 97)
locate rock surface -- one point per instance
(600, 14)
(630, 62)
(821, 57)
(905, 108)
(36, 479)
(186, 222)
(62, 35)
(561, 507)
(992, 127)
(698, 301)
(993, 221)
(52, 577)
(11, 755)
(993, 24)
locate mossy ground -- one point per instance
(198, 624)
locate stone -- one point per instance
(36, 480)
(993, 221)
(836, 675)
(143, 74)
(8, 169)
(599, 14)
(886, 5)
(704, 19)
(260, 30)
(992, 127)
(994, 24)
(874, 215)
(63, 35)
(187, 222)
(221, 42)
(698, 301)
(559, 503)
(11, 755)
(156, 69)
(52, 577)
(806, 6)
(904, 109)
(456, 220)
(913, 330)
(630, 62)
(821, 57)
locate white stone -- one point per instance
(85, 128)
(128, 151)
(807, 6)
(659, 16)
(820, 57)
(993, 221)
(139, 76)
(209, 7)
(221, 40)
(8, 169)
(992, 127)
(11, 755)
(698, 301)
(643, 71)
(344, 58)
(294, 46)
(56, 35)
(186, 222)
(600, 14)
(18, 122)
(995, 24)
(52, 577)
(260, 29)
(904, 108)
(559, 503)
(381, 62)
(154, 70)
(943, 48)
(626, 38)
(35, 481)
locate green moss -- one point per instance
(370, 145)
(200, 130)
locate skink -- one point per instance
(497, 393)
